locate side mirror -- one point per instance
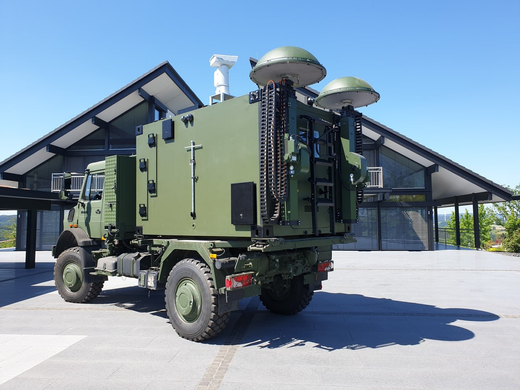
(67, 181)
(65, 193)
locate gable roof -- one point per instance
(162, 83)
(449, 179)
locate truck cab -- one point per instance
(89, 210)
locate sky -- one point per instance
(448, 71)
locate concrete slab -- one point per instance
(391, 320)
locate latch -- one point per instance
(151, 140)
(151, 187)
(142, 164)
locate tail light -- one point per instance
(234, 282)
(326, 266)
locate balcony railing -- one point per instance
(376, 177)
(57, 182)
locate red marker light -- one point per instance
(239, 281)
(326, 266)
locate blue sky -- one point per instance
(448, 71)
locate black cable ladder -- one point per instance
(322, 188)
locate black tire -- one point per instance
(70, 279)
(192, 301)
(286, 297)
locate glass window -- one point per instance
(407, 198)
(94, 141)
(399, 171)
(365, 231)
(94, 187)
(404, 228)
(370, 156)
(40, 178)
(122, 129)
(48, 229)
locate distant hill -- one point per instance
(5, 222)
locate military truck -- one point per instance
(244, 197)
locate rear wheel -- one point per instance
(70, 281)
(192, 301)
(286, 297)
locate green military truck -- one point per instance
(237, 199)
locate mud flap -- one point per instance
(224, 306)
(88, 264)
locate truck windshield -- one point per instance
(94, 187)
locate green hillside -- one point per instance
(7, 227)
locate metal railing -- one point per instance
(376, 177)
(447, 236)
(57, 182)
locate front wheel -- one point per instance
(192, 301)
(286, 297)
(70, 281)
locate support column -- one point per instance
(30, 245)
(429, 218)
(151, 112)
(19, 231)
(379, 229)
(457, 222)
(436, 216)
(476, 222)
(433, 235)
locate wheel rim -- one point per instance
(188, 300)
(72, 277)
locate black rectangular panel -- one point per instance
(167, 129)
(243, 203)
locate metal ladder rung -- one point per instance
(324, 202)
(323, 183)
(324, 162)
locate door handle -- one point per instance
(98, 211)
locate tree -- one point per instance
(485, 221)
(9, 235)
(467, 236)
(507, 214)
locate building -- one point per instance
(400, 205)
(408, 181)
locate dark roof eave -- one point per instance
(21, 193)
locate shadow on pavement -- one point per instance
(332, 321)
(19, 284)
(134, 298)
(352, 321)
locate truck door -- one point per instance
(91, 205)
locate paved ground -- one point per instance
(385, 320)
